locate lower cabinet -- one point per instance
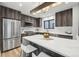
(45, 50)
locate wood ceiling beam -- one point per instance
(45, 4)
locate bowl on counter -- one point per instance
(46, 35)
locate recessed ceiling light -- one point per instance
(56, 4)
(38, 11)
(66, 2)
(20, 4)
(34, 13)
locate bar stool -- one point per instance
(42, 54)
(29, 49)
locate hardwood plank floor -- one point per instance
(12, 53)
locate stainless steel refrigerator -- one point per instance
(11, 34)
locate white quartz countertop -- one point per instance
(61, 46)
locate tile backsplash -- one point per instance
(58, 29)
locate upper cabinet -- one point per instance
(58, 19)
(64, 18)
(9, 13)
(0, 12)
(26, 20)
(69, 17)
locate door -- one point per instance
(13, 28)
(9, 28)
(18, 28)
(6, 28)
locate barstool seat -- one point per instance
(28, 49)
(42, 54)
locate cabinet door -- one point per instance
(3, 12)
(38, 22)
(34, 23)
(64, 18)
(1, 30)
(69, 17)
(19, 16)
(8, 13)
(12, 14)
(16, 15)
(0, 12)
(58, 19)
(28, 19)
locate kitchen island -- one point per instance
(62, 46)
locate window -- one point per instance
(49, 24)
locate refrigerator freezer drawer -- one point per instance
(5, 45)
(11, 43)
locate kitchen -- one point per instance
(39, 29)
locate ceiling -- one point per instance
(25, 7)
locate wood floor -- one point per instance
(12, 53)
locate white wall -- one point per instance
(31, 28)
(73, 29)
(59, 29)
(75, 26)
(75, 21)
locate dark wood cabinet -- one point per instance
(6, 12)
(69, 17)
(58, 19)
(38, 20)
(16, 16)
(19, 17)
(28, 19)
(12, 14)
(64, 18)
(0, 12)
(3, 12)
(9, 13)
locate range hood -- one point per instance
(27, 24)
